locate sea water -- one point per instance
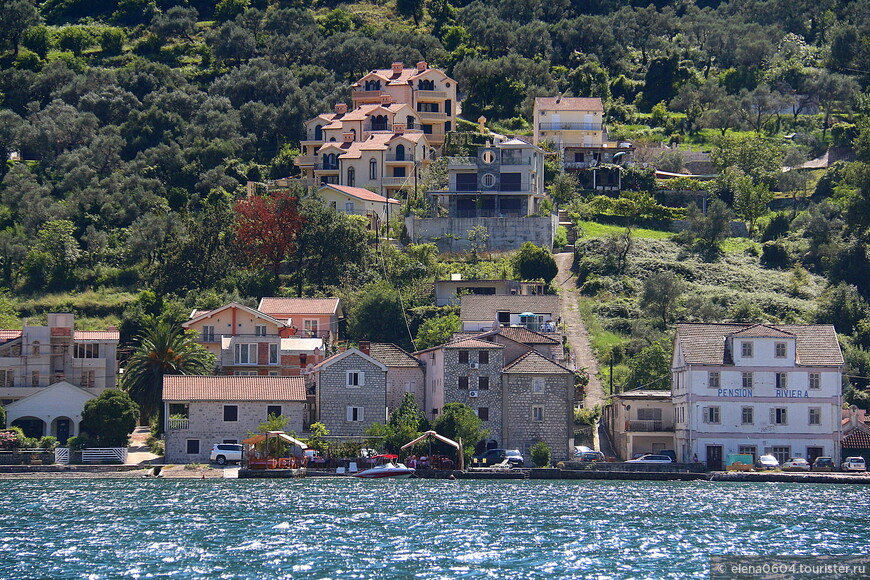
(417, 528)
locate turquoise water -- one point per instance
(338, 528)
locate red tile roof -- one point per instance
(535, 363)
(569, 103)
(6, 335)
(523, 335)
(361, 193)
(97, 335)
(392, 356)
(472, 343)
(857, 439)
(762, 331)
(274, 305)
(232, 388)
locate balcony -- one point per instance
(178, 423)
(424, 95)
(326, 167)
(427, 116)
(369, 127)
(580, 164)
(570, 126)
(361, 95)
(306, 159)
(406, 158)
(453, 162)
(397, 181)
(515, 161)
(648, 426)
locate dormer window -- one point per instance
(746, 349)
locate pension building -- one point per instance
(756, 389)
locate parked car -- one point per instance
(223, 453)
(580, 450)
(854, 464)
(649, 458)
(796, 464)
(493, 456)
(767, 462)
(592, 456)
(670, 453)
(823, 464)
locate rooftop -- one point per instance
(274, 305)
(232, 388)
(569, 104)
(392, 356)
(535, 363)
(483, 307)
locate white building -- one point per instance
(756, 389)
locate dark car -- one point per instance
(823, 464)
(492, 457)
(592, 456)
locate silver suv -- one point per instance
(223, 453)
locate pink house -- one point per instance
(311, 317)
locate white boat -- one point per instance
(389, 468)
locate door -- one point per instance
(714, 457)
(62, 431)
(813, 452)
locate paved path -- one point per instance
(575, 330)
(138, 452)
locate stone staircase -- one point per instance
(566, 223)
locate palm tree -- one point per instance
(164, 349)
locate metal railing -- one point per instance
(461, 161)
(105, 454)
(408, 158)
(648, 425)
(378, 127)
(423, 94)
(564, 126)
(516, 161)
(176, 423)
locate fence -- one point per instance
(105, 455)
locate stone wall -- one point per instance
(490, 398)
(521, 432)
(334, 396)
(508, 233)
(400, 378)
(206, 423)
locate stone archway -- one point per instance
(63, 428)
(32, 426)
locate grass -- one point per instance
(596, 230)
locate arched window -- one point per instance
(333, 161)
(400, 152)
(379, 123)
(373, 169)
(409, 122)
(318, 133)
(325, 162)
(351, 176)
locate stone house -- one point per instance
(404, 373)
(640, 421)
(472, 375)
(484, 313)
(202, 411)
(349, 391)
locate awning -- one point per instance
(280, 434)
(436, 436)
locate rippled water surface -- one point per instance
(339, 528)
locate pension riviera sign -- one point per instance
(780, 393)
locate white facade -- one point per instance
(756, 390)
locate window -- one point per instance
(649, 414)
(6, 378)
(466, 182)
(815, 416)
(488, 180)
(781, 453)
(483, 357)
(311, 327)
(748, 450)
(231, 412)
(88, 379)
(34, 379)
(273, 410)
(355, 414)
(193, 446)
(463, 357)
(318, 133)
(713, 380)
(245, 373)
(260, 330)
(538, 386)
(428, 108)
(273, 373)
(427, 129)
(348, 207)
(356, 379)
(779, 350)
(463, 383)
(746, 349)
(504, 318)
(273, 354)
(373, 169)
(746, 416)
(448, 108)
(398, 172)
(208, 334)
(483, 383)
(779, 416)
(351, 176)
(92, 350)
(747, 380)
(511, 182)
(712, 415)
(538, 413)
(35, 349)
(815, 380)
(303, 360)
(483, 413)
(246, 354)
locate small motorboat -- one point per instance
(387, 468)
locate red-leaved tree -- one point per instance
(266, 228)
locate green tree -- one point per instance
(376, 314)
(75, 39)
(110, 418)
(651, 367)
(756, 157)
(229, 9)
(458, 421)
(844, 307)
(112, 41)
(405, 424)
(50, 261)
(412, 8)
(477, 239)
(540, 452)
(318, 441)
(564, 188)
(16, 16)
(750, 202)
(164, 349)
(711, 229)
(2, 417)
(661, 290)
(435, 331)
(533, 263)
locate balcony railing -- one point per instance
(406, 158)
(306, 159)
(429, 116)
(396, 181)
(177, 423)
(580, 164)
(423, 95)
(361, 94)
(648, 426)
(516, 161)
(378, 127)
(462, 161)
(326, 166)
(570, 126)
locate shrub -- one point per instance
(540, 454)
(561, 237)
(48, 443)
(534, 263)
(775, 255)
(110, 418)
(80, 442)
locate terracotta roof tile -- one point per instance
(763, 331)
(97, 335)
(703, 344)
(483, 307)
(233, 388)
(857, 439)
(535, 363)
(392, 356)
(361, 193)
(569, 104)
(524, 335)
(274, 305)
(7, 335)
(472, 343)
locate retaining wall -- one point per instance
(505, 233)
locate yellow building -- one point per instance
(359, 201)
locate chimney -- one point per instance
(398, 67)
(112, 329)
(422, 65)
(853, 417)
(398, 128)
(386, 99)
(559, 98)
(348, 137)
(366, 347)
(340, 108)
